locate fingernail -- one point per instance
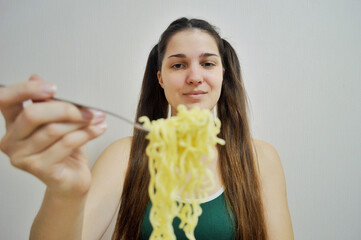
(98, 116)
(48, 88)
(86, 114)
(101, 126)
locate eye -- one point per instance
(177, 66)
(208, 64)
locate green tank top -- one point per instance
(214, 222)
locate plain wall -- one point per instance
(300, 61)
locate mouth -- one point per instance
(195, 92)
(195, 95)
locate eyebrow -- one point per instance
(180, 55)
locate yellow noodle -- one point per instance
(176, 146)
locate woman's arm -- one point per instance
(274, 195)
(59, 218)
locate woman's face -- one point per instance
(192, 71)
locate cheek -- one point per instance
(216, 81)
(172, 83)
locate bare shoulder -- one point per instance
(119, 145)
(271, 172)
(112, 163)
(273, 191)
(268, 159)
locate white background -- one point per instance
(300, 61)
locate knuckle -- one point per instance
(34, 168)
(28, 114)
(4, 145)
(27, 164)
(67, 142)
(52, 130)
(70, 111)
(56, 177)
(18, 162)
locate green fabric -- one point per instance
(214, 223)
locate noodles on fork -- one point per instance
(175, 150)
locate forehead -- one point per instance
(191, 41)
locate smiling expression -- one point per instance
(191, 72)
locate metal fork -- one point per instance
(136, 125)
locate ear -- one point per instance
(160, 80)
(224, 71)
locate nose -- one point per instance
(194, 76)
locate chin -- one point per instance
(200, 105)
(195, 104)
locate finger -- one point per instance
(42, 139)
(70, 143)
(36, 115)
(36, 77)
(81, 153)
(35, 89)
(13, 96)
(40, 164)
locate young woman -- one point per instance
(191, 65)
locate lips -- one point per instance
(195, 92)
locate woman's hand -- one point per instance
(46, 138)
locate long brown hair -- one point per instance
(236, 159)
